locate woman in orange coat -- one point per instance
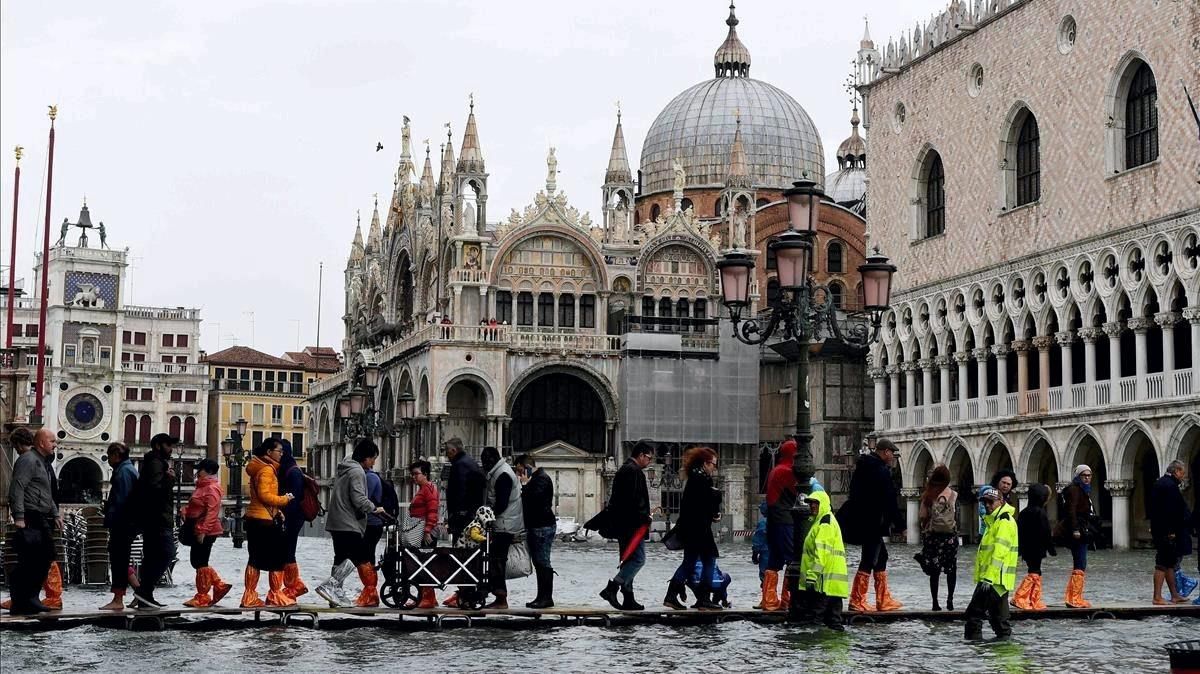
(264, 536)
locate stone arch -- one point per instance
(558, 405)
(80, 479)
(402, 289)
(928, 163)
(1116, 94)
(467, 400)
(586, 246)
(423, 396)
(1185, 439)
(995, 456)
(1138, 464)
(1033, 452)
(323, 429)
(476, 376)
(963, 479)
(1010, 131)
(1071, 452)
(919, 466)
(702, 249)
(1126, 447)
(583, 371)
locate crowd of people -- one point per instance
(809, 577)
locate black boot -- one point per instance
(545, 592)
(629, 603)
(703, 599)
(609, 594)
(671, 601)
(28, 607)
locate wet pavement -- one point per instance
(1044, 645)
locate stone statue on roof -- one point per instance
(103, 235)
(680, 176)
(551, 166)
(62, 236)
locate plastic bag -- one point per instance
(519, 564)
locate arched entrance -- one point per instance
(558, 406)
(79, 481)
(1142, 467)
(1043, 469)
(1187, 439)
(1088, 452)
(997, 458)
(466, 413)
(962, 478)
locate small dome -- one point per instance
(846, 186)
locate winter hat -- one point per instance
(1081, 468)
(989, 493)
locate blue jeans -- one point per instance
(1079, 555)
(688, 566)
(633, 564)
(780, 539)
(539, 540)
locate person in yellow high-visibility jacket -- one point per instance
(823, 564)
(995, 567)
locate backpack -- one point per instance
(941, 517)
(310, 502)
(389, 501)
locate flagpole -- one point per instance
(320, 286)
(41, 359)
(12, 263)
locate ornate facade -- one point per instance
(1047, 307)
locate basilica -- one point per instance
(570, 336)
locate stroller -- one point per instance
(407, 568)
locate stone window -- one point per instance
(935, 197)
(566, 310)
(504, 307)
(833, 258)
(654, 211)
(525, 308)
(1029, 165)
(837, 295)
(700, 311)
(1133, 117)
(587, 311)
(545, 309)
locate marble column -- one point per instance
(1001, 351)
(879, 376)
(1065, 339)
(1113, 329)
(926, 365)
(962, 357)
(893, 373)
(1120, 490)
(1141, 366)
(1043, 343)
(1022, 348)
(912, 503)
(1192, 315)
(1022, 492)
(943, 365)
(1166, 320)
(1089, 335)
(910, 384)
(981, 354)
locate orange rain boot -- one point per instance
(6, 604)
(203, 587)
(276, 595)
(770, 598)
(219, 587)
(1075, 584)
(293, 586)
(427, 598)
(858, 592)
(250, 598)
(883, 598)
(1022, 597)
(369, 597)
(451, 601)
(1035, 594)
(53, 588)
(785, 596)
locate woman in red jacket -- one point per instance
(424, 506)
(205, 508)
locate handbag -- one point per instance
(519, 564)
(674, 539)
(187, 532)
(412, 531)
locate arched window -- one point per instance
(837, 295)
(700, 310)
(525, 308)
(545, 309)
(175, 427)
(772, 260)
(833, 258)
(129, 437)
(935, 197)
(504, 307)
(189, 431)
(654, 211)
(144, 430)
(637, 217)
(682, 311)
(685, 204)
(716, 211)
(566, 310)
(1029, 163)
(648, 306)
(1141, 118)
(587, 311)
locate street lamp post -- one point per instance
(356, 406)
(805, 312)
(235, 459)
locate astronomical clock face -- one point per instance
(84, 413)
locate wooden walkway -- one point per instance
(214, 618)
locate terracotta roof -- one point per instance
(244, 355)
(315, 359)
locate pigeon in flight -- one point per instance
(378, 147)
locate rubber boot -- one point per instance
(451, 601)
(203, 587)
(117, 603)
(704, 600)
(785, 595)
(250, 598)
(883, 598)
(276, 596)
(770, 598)
(1021, 597)
(609, 594)
(1035, 595)
(292, 585)
(331, 590)
(1184, 584)
(628, 601)
(369, 597)
(671, 601)
(1075, 586)
(858, 592)
(219, 587)
(545, 591)
(427, 598)
(53, 588)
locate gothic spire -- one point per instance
(618, 161)
(739, 171)
(375, 237)
(471, 159)
(356, 247)
(427, 178)
(732, 58)
(446, 179)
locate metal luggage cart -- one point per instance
(406, 569)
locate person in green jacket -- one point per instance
(995, 568)
(823, 565)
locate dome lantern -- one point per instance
(732, 59)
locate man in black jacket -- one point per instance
(1169, 518)
(867, 518)
(537, 503)
(153, 502)
(465, 489)
(628, 520)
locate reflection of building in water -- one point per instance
(605, 332)
(114, 371)
(1041, 204)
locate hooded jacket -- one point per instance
(117, 513)
(1034, 537)
(348, 502)
(464, 490)
(781, 486)
(291, 481)
(265, 501)
(996, 561)
(823, 561)
(205, 507)
(870, 511)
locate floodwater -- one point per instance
(1040, 645)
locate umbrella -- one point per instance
(634, 541)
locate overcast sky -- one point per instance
(229, 144)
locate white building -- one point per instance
(114, 372)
